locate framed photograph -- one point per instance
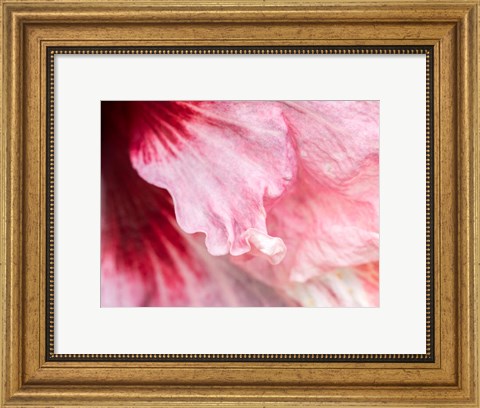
(244, 203)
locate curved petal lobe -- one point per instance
(224, 163)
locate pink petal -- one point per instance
(325, 230)
(336, 140)
(146, 260)
(329, 220)
(322, 229)
(225, 165)
(338, 198)
(328, 242)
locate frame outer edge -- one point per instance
(12, 202)
(467, 245)
(11, 210)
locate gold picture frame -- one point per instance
(33, 32)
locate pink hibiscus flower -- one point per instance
(240, 203)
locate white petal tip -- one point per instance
(271, 248)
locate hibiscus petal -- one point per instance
(323, 230)
(224, 163)
(338, 146)
(329, 219)
(335, 140)
(146, 260)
